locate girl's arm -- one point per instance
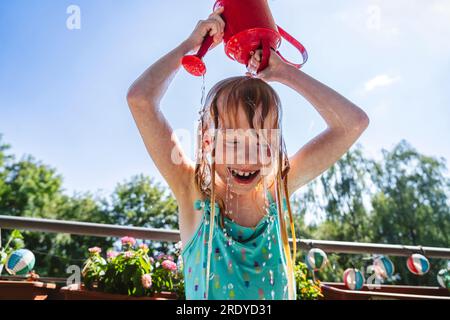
(346, 122)
(144, 98)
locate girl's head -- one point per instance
(240, 130)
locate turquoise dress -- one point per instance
(246, 263)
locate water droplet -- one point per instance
(230, 286)
(271, 277)
(273, 294)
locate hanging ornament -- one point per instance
(443, 278)
(353, 279)
(20, 262)
(316, 259)
(383, 267)
(418, 264)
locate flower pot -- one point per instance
(338, 291)
(79, 292)
(26, 290)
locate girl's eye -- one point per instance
(231, 143)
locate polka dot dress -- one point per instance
(246, 263)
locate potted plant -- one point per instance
(307, 289)
(27, 287)
(15, 242)
(128, 274)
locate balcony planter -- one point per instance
(338, 291)
(130, 274)
(79, 292)
(27, 290)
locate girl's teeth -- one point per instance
(242, 173)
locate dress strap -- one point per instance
(205, 206)
(272, 201)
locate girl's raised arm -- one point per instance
(144, 97)
(346, 121)
(345, 124)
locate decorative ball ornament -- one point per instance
(20, 262)
(316, 259)
(383, 266)
(353, 279)
(442, 275)
(418, 264)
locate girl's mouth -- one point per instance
(244, 177)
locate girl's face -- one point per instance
(244, 156)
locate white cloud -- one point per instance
(382, 80)
(441, 8)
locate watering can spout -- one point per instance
(194, 63)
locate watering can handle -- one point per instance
(266, 51)
(296, 44)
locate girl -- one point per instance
(238, 248)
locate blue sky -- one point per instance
(62, 92)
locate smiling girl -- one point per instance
(233, 201)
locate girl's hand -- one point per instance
(213, 26)
(274, 70)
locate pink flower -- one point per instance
(162, 256)
(152, 260)
(169, 265)
(143, 246)
(146, 281)
(112, 254)
(128, 254)
(95, 250)
(128, 241)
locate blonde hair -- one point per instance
(251, 94)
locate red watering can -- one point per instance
(249, 26)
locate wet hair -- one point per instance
(258, 100)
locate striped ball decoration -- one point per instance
(20, 262)
(418, 264)
(316, 259)
(383, 266)
(353, 279)
(443, 278)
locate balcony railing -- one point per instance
(105, 230)
(331, 291)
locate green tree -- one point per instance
(337, 200)
(141, 202)
(411, 205)
(30, 188)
